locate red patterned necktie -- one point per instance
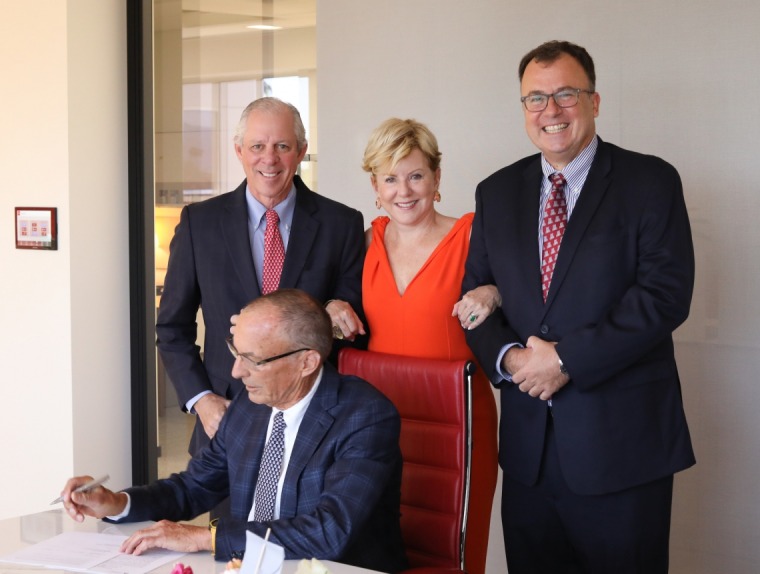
(274, 253)
(552, 229)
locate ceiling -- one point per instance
(223, 17)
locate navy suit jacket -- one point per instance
(622, 284)
(341, 495)
(211, 267)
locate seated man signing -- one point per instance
(337, 491)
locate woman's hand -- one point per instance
(474, 306)
(346, 323)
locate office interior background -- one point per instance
(677, 79)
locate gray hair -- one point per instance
(270, 104)
(303, 319)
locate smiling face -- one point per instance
(407, 191)
(560, 133)
(269, 154)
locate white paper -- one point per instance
(274, 556)
(91, 552)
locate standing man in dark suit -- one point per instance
(338, 477)
(592, 423)
(217, 258)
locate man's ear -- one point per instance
(311, 362)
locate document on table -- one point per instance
(90, 552)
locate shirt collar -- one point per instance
(284, 209)
(576, 171)
(293, 415)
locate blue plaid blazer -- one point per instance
(341, 495)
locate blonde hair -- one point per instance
(395, 139)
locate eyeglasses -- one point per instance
(254, 362)
(566, 98)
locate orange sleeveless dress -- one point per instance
(419, 324)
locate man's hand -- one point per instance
(514, 359)
(211, 408)
(344, 317)
(98, 502)
(539, 376)
(169, 535)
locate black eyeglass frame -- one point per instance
(563, 91)
(235, 353)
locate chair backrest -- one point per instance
(434, 399)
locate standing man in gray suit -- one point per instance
(217, 256)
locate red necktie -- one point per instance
(552, 229)
(274, 253)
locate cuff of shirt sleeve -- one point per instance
(189, 405)
(124, 513)
(499, 359)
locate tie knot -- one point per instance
(558, 180)
(272, 217)
(278, 425)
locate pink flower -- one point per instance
(180, 568)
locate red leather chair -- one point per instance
(434, 400)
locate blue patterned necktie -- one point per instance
(269, 471)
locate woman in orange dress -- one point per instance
(411, 284)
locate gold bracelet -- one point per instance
(212, 530)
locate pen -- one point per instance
(263, 551)
(85, 487)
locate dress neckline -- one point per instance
(379, 224)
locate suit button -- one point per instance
(544, 329)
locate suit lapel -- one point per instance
(250, 459)
(316, 423)
(303, 234)
(234, 230)
(528, 205)
(594, 189)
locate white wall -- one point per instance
(677, 79)
(64, 342)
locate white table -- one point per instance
(17, 533)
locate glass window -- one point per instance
(211, 59)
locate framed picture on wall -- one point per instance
(36, 228)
